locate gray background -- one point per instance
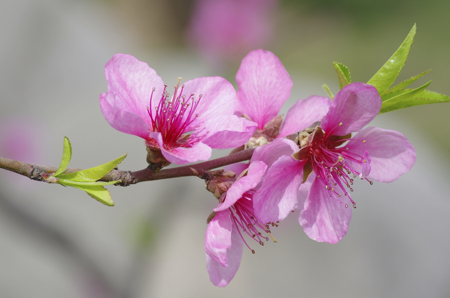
(58, 242)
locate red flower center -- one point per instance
(173, 117)
(329, 163)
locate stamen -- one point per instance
(274, 240)
(174, 117)
(243, 217)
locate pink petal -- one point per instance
(304, 113)
(127, 122)
(218, 237)
(366, 168)
(304, 189)
(277, 196)
(227, 131)
(271, 152)
(391, 154)
(130, 85)
(238, 168)
(324, 218)
(219, 274)
(182, 155)
(218, 97)
(256, 171)
(352, 108)
(264, 85)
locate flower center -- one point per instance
(244, 219)
(329, 164)
(173, 117)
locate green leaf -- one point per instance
(99, 193)
(93, 174)
(434, 97)
(328, 91)
(78, 184)
(387, 74)
(404, 100)
(67, 155)
(93, 189)
(343, 74)
(406, 83)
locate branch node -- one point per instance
(37, 174)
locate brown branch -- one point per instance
(37, 172)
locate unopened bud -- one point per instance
(154, 156)
(219, 182)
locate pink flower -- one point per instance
(233, 218)
(225, 29)
(263, 87)
(335, 158)
(198, 117)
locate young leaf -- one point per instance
(387, 74)
(343, 74)
(67, 155)
(93, 174)
(99, 193)
(406, 83)
(433, 97)
(78, 184)
(423, 98)
(407, 99)
(93, 189)
(328, 91)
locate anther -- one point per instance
(340, 124)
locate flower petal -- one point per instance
(127, 122)
(227, 131)
(218, 97)
(277, 196)
(352, 108)
(130, 85)
(264, 85)
(324, 218)
(218, 237)
(304, 189)
(304, 113)
(366, 168)
(182, 155)
(391, 154)
(256, 171)
(219, 274)
(238, 167)
(271, 152)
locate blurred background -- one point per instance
(57, 242)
